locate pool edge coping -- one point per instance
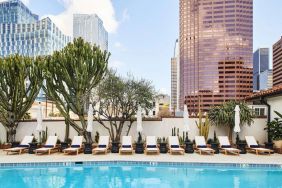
(148, 163)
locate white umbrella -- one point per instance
(139, 119)
(90, 119)
(39, 117)
(186, 119)
(237, 119)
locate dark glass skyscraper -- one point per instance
(260, 64)
(216, 41)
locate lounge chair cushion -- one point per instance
(126, 146)
(75, 146)
(23, 146)
(201, 146)
(174, 146)
(225, 146)
(151, 146)
(254, 146)
(102, 146)
(48, 146)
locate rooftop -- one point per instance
(277, 90)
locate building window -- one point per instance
(259, 111)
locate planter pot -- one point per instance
(163, 148)
(189, 147)
(64, 145)
(277, 143)
(139, 148)
(32, 147)
(87, 148)
(242, 146)
(269, 145)
(115, 147)
(214, 146)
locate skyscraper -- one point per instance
(21, 32)
(266, 79)
(260, 64)
(90, 28)
(174, 105)
(277, 63)
(216, 41)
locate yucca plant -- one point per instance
(224, 115)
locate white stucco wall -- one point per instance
(276, 105)
(156, 128)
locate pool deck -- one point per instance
(187, 158)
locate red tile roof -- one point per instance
(273, 91)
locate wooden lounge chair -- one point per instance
(174, 145)
(253, 146)
(151, 145)
(49, 146)
(225, 146)
(76, 145)
(126, 146)
(24, 145)
(201, 145)
(103, 145)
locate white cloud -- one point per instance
(103, 8)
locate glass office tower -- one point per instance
(90, 28)
(216, 41)
(22, 33)
(260, 64)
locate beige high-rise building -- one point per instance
(216, 43)
(174, 105)
(173, 102)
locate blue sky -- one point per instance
(142, 33)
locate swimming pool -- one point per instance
(118, 174)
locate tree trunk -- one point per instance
(230, 134)
(129, 127)
(67, 133)
(11, 133)
(88, 137)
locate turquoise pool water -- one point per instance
(139, 176)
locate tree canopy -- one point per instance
(20, 81)
(71, 74)
(224, 115)
(116, 99)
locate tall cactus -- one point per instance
(20, 81)
(71, 74)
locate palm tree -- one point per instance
(224, 114)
